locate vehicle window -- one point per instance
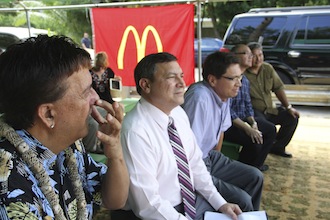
(265, 30)
(313, 30)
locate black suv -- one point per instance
(295, 40)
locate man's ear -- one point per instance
(145, 85)
(46, 113)
(212, 80)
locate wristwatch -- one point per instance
(289, 107)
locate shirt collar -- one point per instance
(156, 114)
(42, 152)
(217, 99)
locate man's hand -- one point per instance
(294, 112)
(232, 210)
(109, 127)
(115, 184)
(255, 135)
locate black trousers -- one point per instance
(288, 125)
(129, 214)
(123, 215)
(201, 207)
(252, 153)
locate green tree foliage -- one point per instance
(222, 13)
(70, 22)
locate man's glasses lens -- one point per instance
(236, 78)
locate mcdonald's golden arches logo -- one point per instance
(140, 43)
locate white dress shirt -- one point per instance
(154, 185)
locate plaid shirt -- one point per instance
(241, 106)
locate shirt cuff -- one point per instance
(217, 201)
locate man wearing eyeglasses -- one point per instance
(256, 136)
(207, 104)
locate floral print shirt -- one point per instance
(20, 194)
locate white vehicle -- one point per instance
(10, 35)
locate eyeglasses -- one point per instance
(245, 53)
(236, 78)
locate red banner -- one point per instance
(128, 34)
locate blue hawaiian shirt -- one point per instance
(22, 198)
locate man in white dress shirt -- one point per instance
(155, 191)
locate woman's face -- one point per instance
(73, 108)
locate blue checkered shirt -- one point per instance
(241, 106)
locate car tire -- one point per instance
(284, 77)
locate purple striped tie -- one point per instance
(187, 190)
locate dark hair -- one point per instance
(254, 45)
(32, 73)
(217, 64)
(146, 67)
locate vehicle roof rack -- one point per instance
(287, 9)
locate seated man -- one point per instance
(168, 178)
(263, 81)
(46, 101)
(256, 136)
(207, 104)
